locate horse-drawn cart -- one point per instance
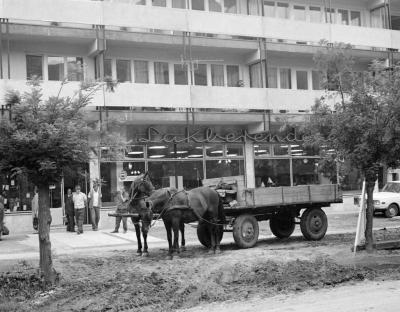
(282, 206)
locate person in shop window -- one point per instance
(122, 201)
(35, 210)
(69, 211)
(80, 203)
(95, 205)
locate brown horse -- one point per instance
(178, 207)
(140, 189)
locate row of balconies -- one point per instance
(151, 18)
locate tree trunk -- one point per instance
(46, 263)
(369, 239)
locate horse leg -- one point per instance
(182, 229)
(212, 236)
(218, 228)
(175, 228)
(139, 240)
(145, 230)
(169, 237)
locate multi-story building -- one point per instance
(201, 82)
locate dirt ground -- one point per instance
(122, 281)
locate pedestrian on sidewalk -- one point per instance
(95, 205)
(69, 211)
(80, 204)
(35, 210)
(122, 201)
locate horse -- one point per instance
(176, 208)
(145, 215)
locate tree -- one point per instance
(364, 127)
(43, 139)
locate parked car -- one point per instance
(387, 200)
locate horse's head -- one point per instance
(141, 187)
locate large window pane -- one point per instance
(55, 67)
(217, 75)
(285, 78)
(315, 14)
(141, 71)
(198, 5)
(282, 10)
(253, 7)
(224, 168)
(256, 80)
(134, 151)
(299, 12)
(133, 168)
(316, 80)
(355, 17)
(302, 80)
(75, 68)
(269, 8)
(280, 149)
(262, 150)
(215, 150)
(215, 5)
(180, 74)
(272, 77)
(232, 72)
(107, 68)
(343, 17)
(233, 150)
(123, 70)
(305, 171)
(330, 15)
(34, 66)
(272, 172)
(230, 6)
(200, 75)
(161, 3)
(161, 72)
(179, 4)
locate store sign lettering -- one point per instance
(210, 136)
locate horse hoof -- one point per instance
(139, 253)
(211, 252)
(217, 251)
(145, 254)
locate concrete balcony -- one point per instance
(148, 17)
(177, 97)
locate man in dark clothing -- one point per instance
(69, 211)
(122, 200)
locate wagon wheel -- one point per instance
(313, 223)
(204, 236)
(245, 231)
(282, 225)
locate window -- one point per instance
(355, 18)
(34, 66)
(123, 70)
(200, 75)
(272, 172)
(215, 5)
(272, 77)
(301, 78)
(107, 68)
(55, 68)
(198, 5)
(141, 71)
(217, 75)
(330, 15)
(75, 68)
(160, 3)
(305, 171)
(285, 78)
(179, 4)
(224, 168)
(269, 8)
(180, 74)
(253, 7)
(299, 12)
(343, 17)
(315, 14)
(316, 80)
(230, 6)
(256, 78)
(282, 10)
(232, 72)
(161, 72)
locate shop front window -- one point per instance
(272, 172)
(281, 149)
(133, 169)
(233, 150)
(224, 168)
(108, 174)
(305, 171)
(134, 151)
(216, 150)
(262, 150)
(34, 66)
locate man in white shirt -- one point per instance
(95, 205)
(80, 203)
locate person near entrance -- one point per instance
(95, 205)
(80, 203)
(69, 211)
(122, 200)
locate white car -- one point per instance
(386, 201)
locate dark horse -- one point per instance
(140, 189)
(178, 207)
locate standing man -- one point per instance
(69, 211)
(80, 203)
(95, 205)
(122, 201)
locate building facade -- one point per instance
(203, 85)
